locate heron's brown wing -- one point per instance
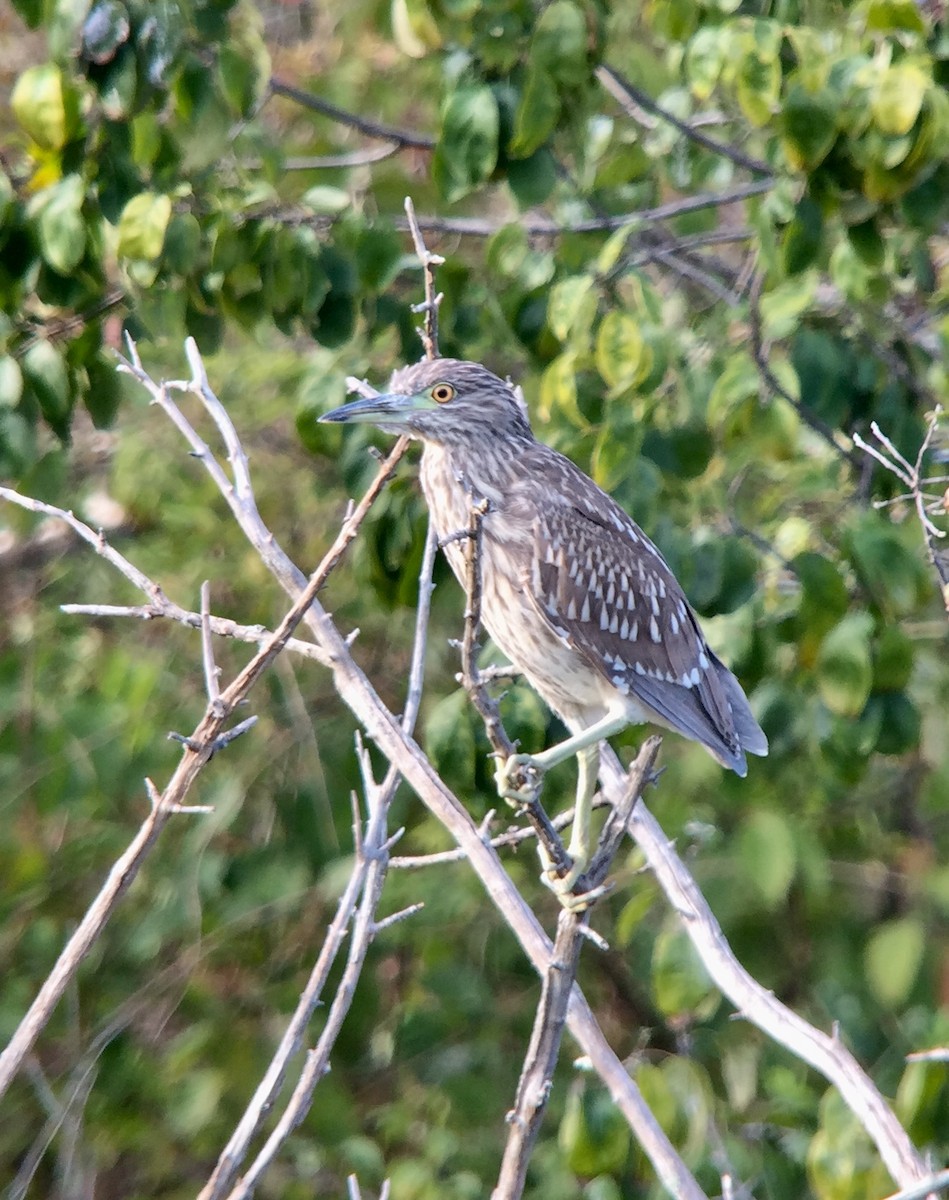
(599, 582)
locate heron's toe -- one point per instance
(519, 779)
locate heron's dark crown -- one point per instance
(484, 407)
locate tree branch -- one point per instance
(627, 94)
(373, 129)
(536, 1079)
(827, 1054)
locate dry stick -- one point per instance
(429, 261)
(404, 753)
(623, 91)
(911, 476)
(374, 838)
(535, 227)
(205, 739)
(827, 1054)
(159, 605)
(372, 850)
(374, 129)
(198, 750)
(536, 1079)
(485, 704)
(925, 1190)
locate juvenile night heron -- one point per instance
(573, 592)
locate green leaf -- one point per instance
(536, 115)
(622, 356)
(808, 128)
(593, 1135)
(532, 179)
(782, 307)
(845, 671)
(44, 106)
(414, 29)
(62, 230)
(769, 856)
(467, 149)
(104, 393)
(326, 200)
(44, 370)
(890, 573)
(894, 16)
(182, 244)
(11, 381)
(824, 598)
(104, 30)
(899, 97)
(867, 241)
(569, 305)
(893, 959)
(893, 657)
(704, 60)
(739, 382)
(142, 226)
(758, 87)
(449, 736)
(802, 238)
(900, 724)
(558, 389)
(559, 44)
(680, 983)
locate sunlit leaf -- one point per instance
(893, 958)
(845, 671)
(142, 226)
(769, 856)
(467, 148)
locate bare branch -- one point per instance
(484, 703)
(212, 672)
(533, 1088)
(373, 129)
(628, 95)
(221, 626)
(537, 227)
(372, 849)
(927, 1189)
(826, 1053)
(429, 261)
(917, 485)
(536, 1079)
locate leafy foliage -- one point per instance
(707, 366)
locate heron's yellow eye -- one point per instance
(443, 392)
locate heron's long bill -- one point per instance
(389, 411)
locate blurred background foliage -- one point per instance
(706, 363)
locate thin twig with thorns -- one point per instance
(926, 502)
(484, 703)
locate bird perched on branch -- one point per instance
(573, 592)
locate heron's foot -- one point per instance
(519, 780)
(562, 885)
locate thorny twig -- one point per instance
(536, 1079)
(429, 331)
(484, 703)
(926, 502)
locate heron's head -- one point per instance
(442, 400)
